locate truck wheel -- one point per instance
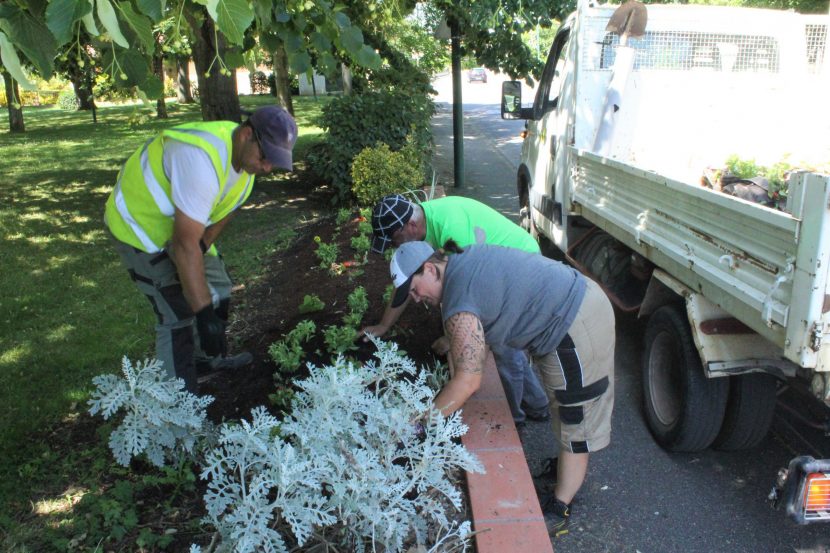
(749, 411)
(684, 409)
(526, 213)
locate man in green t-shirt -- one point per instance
(396, 220)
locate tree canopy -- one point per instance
(123, 31)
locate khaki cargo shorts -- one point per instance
(579, 376)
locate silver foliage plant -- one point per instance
(349, 456)
(160, 419)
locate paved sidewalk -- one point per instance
(490, 171)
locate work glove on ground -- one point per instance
(211, 331)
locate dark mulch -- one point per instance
(269, 310)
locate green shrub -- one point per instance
(361, 121)
(379, 171)
(67, 101)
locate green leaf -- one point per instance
(135, 66)
(326, 62)
(232, 17)
(106, 14)
(140, 25)
(342, 20)
(89, 24)
(367, 57)
(299, 63)
(293, 42)
(31, 36)
(152, 87)
(234, 58)
(264, 10)
(320, 42)
(210, 5)
(352, 39)
(154, 9)
(61, 16)
(11, 62)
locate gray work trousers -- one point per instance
(155, 275)
(520, 383)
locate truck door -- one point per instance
(551, 113)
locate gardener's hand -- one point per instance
(375, 330)
(211, 331)
(441, 346)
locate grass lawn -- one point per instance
(68, 311)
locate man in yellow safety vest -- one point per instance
(173, 197)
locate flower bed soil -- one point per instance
(268, 310)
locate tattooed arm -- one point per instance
(467, 355)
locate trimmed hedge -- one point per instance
(379, 171)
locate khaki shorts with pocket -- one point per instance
(579, 376)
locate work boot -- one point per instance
(549, 470)
(557, 514)
(544, 416)
(208, 366)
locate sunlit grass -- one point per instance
(68, 310)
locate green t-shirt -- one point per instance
(469, 222)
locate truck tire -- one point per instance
(749, 411)
(526, 215)
(683, 408)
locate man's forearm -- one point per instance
(457, 391)
(190, 265)
(392, 314)
(212, 232)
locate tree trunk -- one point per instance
(346, 73)
(81, 87)
(158, 69)
(13, 97)
(217, 93)
(283, 79)
(183, 92)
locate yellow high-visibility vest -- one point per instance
(140, 208)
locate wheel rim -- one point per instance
(664, 379)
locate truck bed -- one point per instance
(765, 267)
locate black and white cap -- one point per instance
(388, 217)
(405, 263)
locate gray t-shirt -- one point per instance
(524, 300)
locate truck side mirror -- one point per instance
(511, 100)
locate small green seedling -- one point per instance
(311, 304)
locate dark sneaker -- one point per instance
(536, 416)
(229, 363)
(549, 470)
(556, 515)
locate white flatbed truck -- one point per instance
(737, 294)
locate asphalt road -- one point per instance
(637, 497)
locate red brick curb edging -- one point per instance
(506, 511)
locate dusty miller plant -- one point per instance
(160, 416)
(348, 462)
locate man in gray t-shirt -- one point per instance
(505, 297)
